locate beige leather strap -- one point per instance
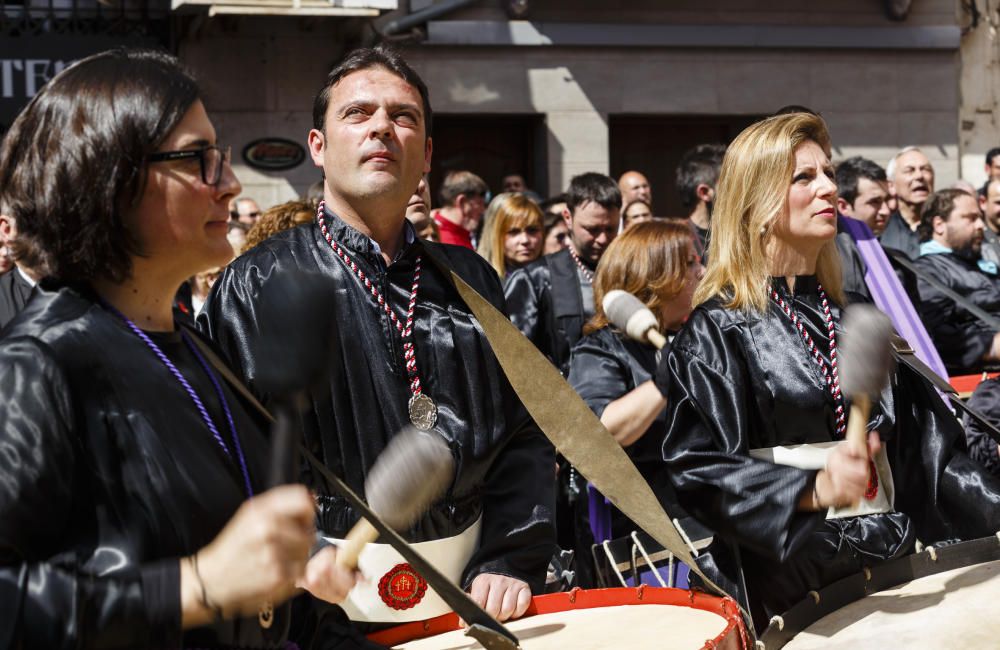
(570, 425)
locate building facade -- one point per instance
(587, 85)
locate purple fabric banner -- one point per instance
(889, 295)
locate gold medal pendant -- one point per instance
(265, 615)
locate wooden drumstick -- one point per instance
(413, 471)
(865, 364)
(628, 313)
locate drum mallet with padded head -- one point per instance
(865, 366)
(412, 472)
(628, 313)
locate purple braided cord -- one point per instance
(191, 392)
(225, 408)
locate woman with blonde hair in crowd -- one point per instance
(280, 218)
(755, 368)
(512, 233)
(614, 374)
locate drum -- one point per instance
(640, 617)
(938, 598)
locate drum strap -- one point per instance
(482, 627)
(905, 355)
(569, 424)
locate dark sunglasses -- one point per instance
(211, 159)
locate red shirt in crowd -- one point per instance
(452, 233)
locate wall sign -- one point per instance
(274, 154)
(28, 62)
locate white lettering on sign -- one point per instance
(23, 78)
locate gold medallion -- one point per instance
(265, 615)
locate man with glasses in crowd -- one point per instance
(246, 211)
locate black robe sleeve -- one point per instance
(523, 304)
(961, 339)
(597, 375)
(707, 448)
(518, 535)
(982, 448)
(49, 601)
(508, 470)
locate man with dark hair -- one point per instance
(863, 192)
(514, 182)
(696, 176)
(17, 283)
(550, 299)
(993, 163)
(989, 202)
(463, 200)
(409, 353)
(911, 179)
(951, 232)
(851, 175)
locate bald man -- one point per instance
(633, 187)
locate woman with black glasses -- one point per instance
(133, 509)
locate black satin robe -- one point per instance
(984, 449)
(14, 294)
(549, 301)
(108, 475)
(900, 237)
(605, 366)
(504, 464)
(960, 337)
(742, 381)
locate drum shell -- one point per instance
(733, 637)
(982, 555)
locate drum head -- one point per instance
(938, 598)
(956, 608)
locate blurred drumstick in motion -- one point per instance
(411, 473)
(628, 313)
(865, 365)
(290, 359)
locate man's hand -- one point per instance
(502, 597)
(327, 580)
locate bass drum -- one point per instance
(635, 618)
(938, 598)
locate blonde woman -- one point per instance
(753, 369)
(512, 233)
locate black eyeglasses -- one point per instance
(211, 159)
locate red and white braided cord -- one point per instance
(830, 372)
(405, 329)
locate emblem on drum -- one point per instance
(872, 490)
(402, 587)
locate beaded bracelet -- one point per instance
(204, 601)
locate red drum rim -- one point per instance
(592, 599)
